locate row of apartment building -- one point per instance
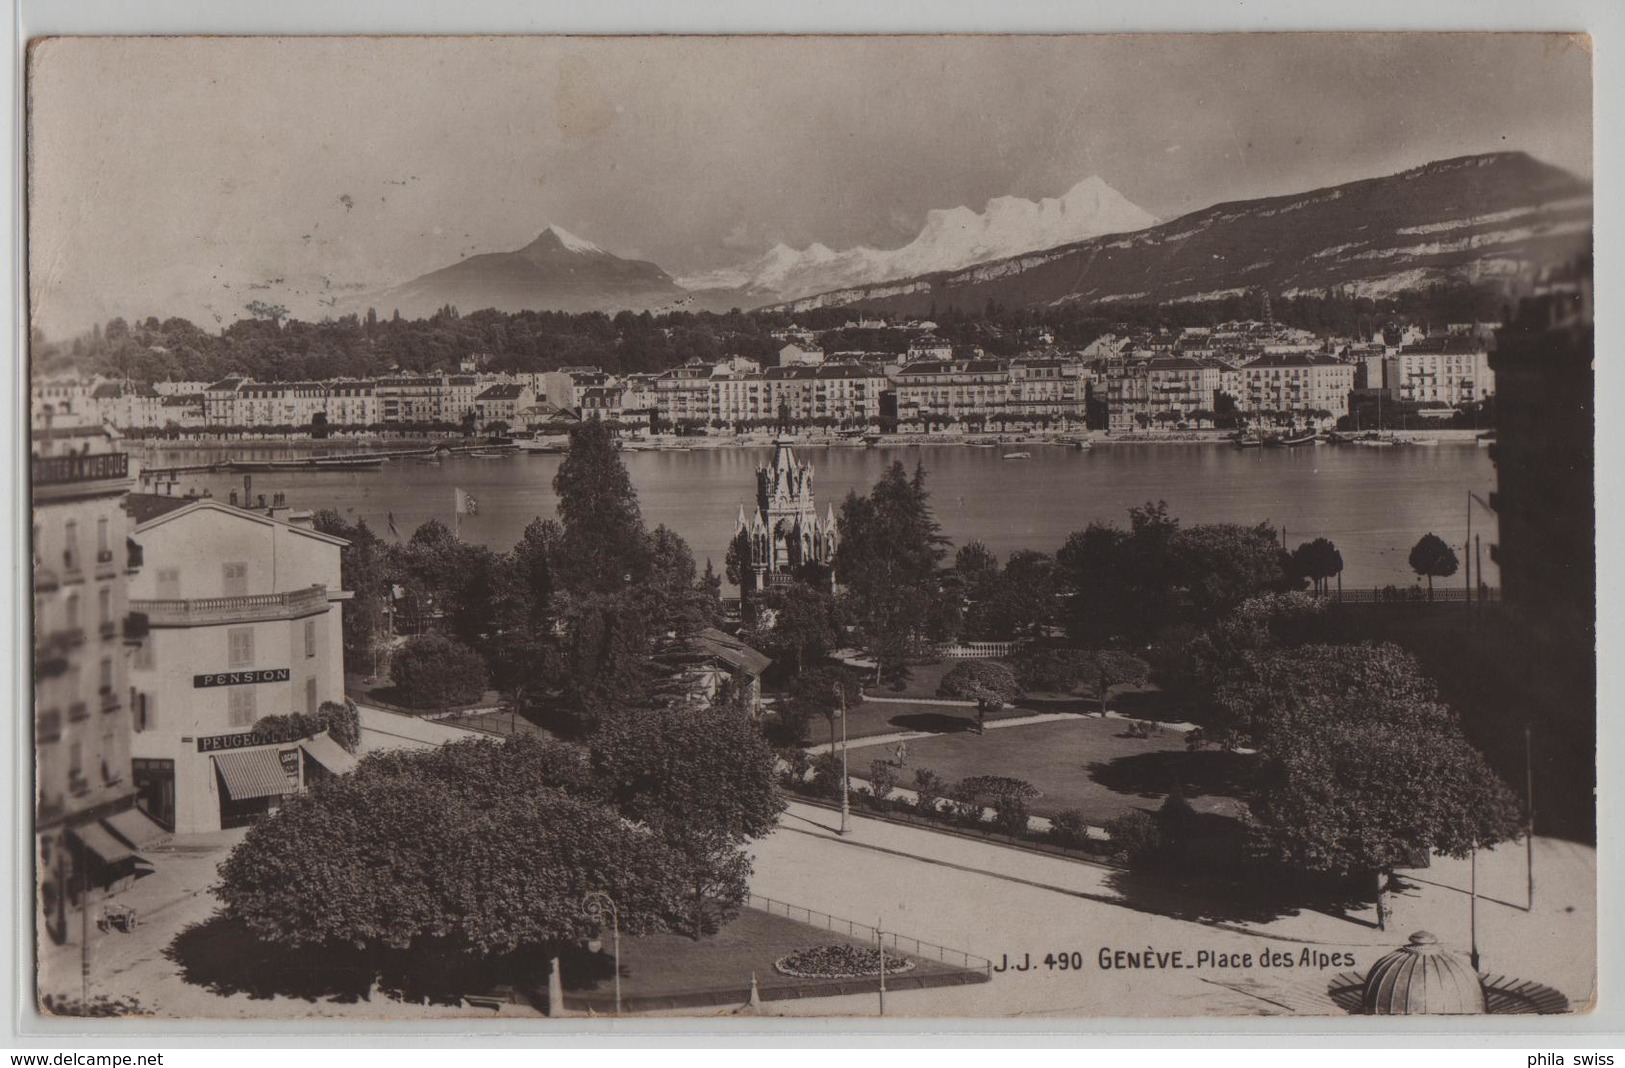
(930, 385)
(165, 629)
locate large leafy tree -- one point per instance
(796, 624)
(887, 561)
(823, 692)
(433, 671)
(476, 848)
(1318, 561)
(1109, 668)
(364, 570)
(1433, 558)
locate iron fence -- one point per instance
(852, 929)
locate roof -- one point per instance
(146, 506)
(1452, 345)
(224, 385)
(501, 392)
(1175, 363)
(1293, 359)
(194, 505)
(718, 645)
(107, 391)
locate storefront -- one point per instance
(231, 780)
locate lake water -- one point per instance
(1374, 503)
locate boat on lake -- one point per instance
(1018, 456)
(1289, 440)
(315, 463)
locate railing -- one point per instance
(978, 650)
(203, 610)
(853, 929)
(94, 467)
(1412, 595)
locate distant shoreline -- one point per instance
(751, 441)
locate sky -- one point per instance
(172, 176)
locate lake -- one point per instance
(1374, 503)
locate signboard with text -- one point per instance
(241, 678)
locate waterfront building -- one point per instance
(950, 392)
(410, 400)
(220, 402)
(1179, 387)
(503, 404)
(126, 407)
(930, 347)
(798, 354)
(243, 616)
(352, 403)
(460, 396)
(1296, 383)
(1048, 388)
(183, 411)
(683, 395)
(784, 537)
(85, 837)
(1450, 369)
(58, 398)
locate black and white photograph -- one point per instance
(536, 529)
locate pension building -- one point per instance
(244, 620)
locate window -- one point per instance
(76, 759)
(310, 638)
(70, 612)
(145, 657)
(240, 647)
(235, 579)
(169, 583)
(104, 604)
(107, 674)
(70, 545)
(310, 696)
(103, 549)
(241, 704)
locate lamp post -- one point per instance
(846, 805)
(596, 902)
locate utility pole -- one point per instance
(1473, 914)
(846, 805)
(880, 937)
(84, 923)
(1529, 810)
(1467, 551)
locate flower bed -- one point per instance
(840, 961)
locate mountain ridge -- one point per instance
(1445, 221)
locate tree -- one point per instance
(1317, 561)
(603, 546)
(796, 623)
(363, 569)
(990, 684)
(887, 560)
(476, 848)
(1113, 667)
(1219, 565)
(823, 692)
(1010, 799)
(1054, 670)
(1432, 557)
(432, 671)
(1357, 796)
(703, 781)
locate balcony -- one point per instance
(78, 711)
(48, 726)
(110, 701)
(211, 611)
(136, 627)
(109, 630)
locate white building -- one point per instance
(1442, 371)
(243, 618)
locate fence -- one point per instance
(1414, 595)
(853, 929)
(977, 650)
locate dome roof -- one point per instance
(1422, 978)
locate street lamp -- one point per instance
(596, 903)
(840, 700)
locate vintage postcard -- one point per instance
(1062, 527)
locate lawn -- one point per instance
(671, 970)
(872, 718)
(1085, 764)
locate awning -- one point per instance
(328, 753)
(134, 827)
(252, 773)
(108, 850)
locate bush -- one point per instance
(1069, 828)
(983, 681)
(1054, 670)
(882, 779)
(432, 671)
(826, 777)
(928, 790)
(1136, 838)
(1010, 799)
(102, 1005)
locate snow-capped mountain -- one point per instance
(1472, 220)
(951, 239)
(556, 272)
